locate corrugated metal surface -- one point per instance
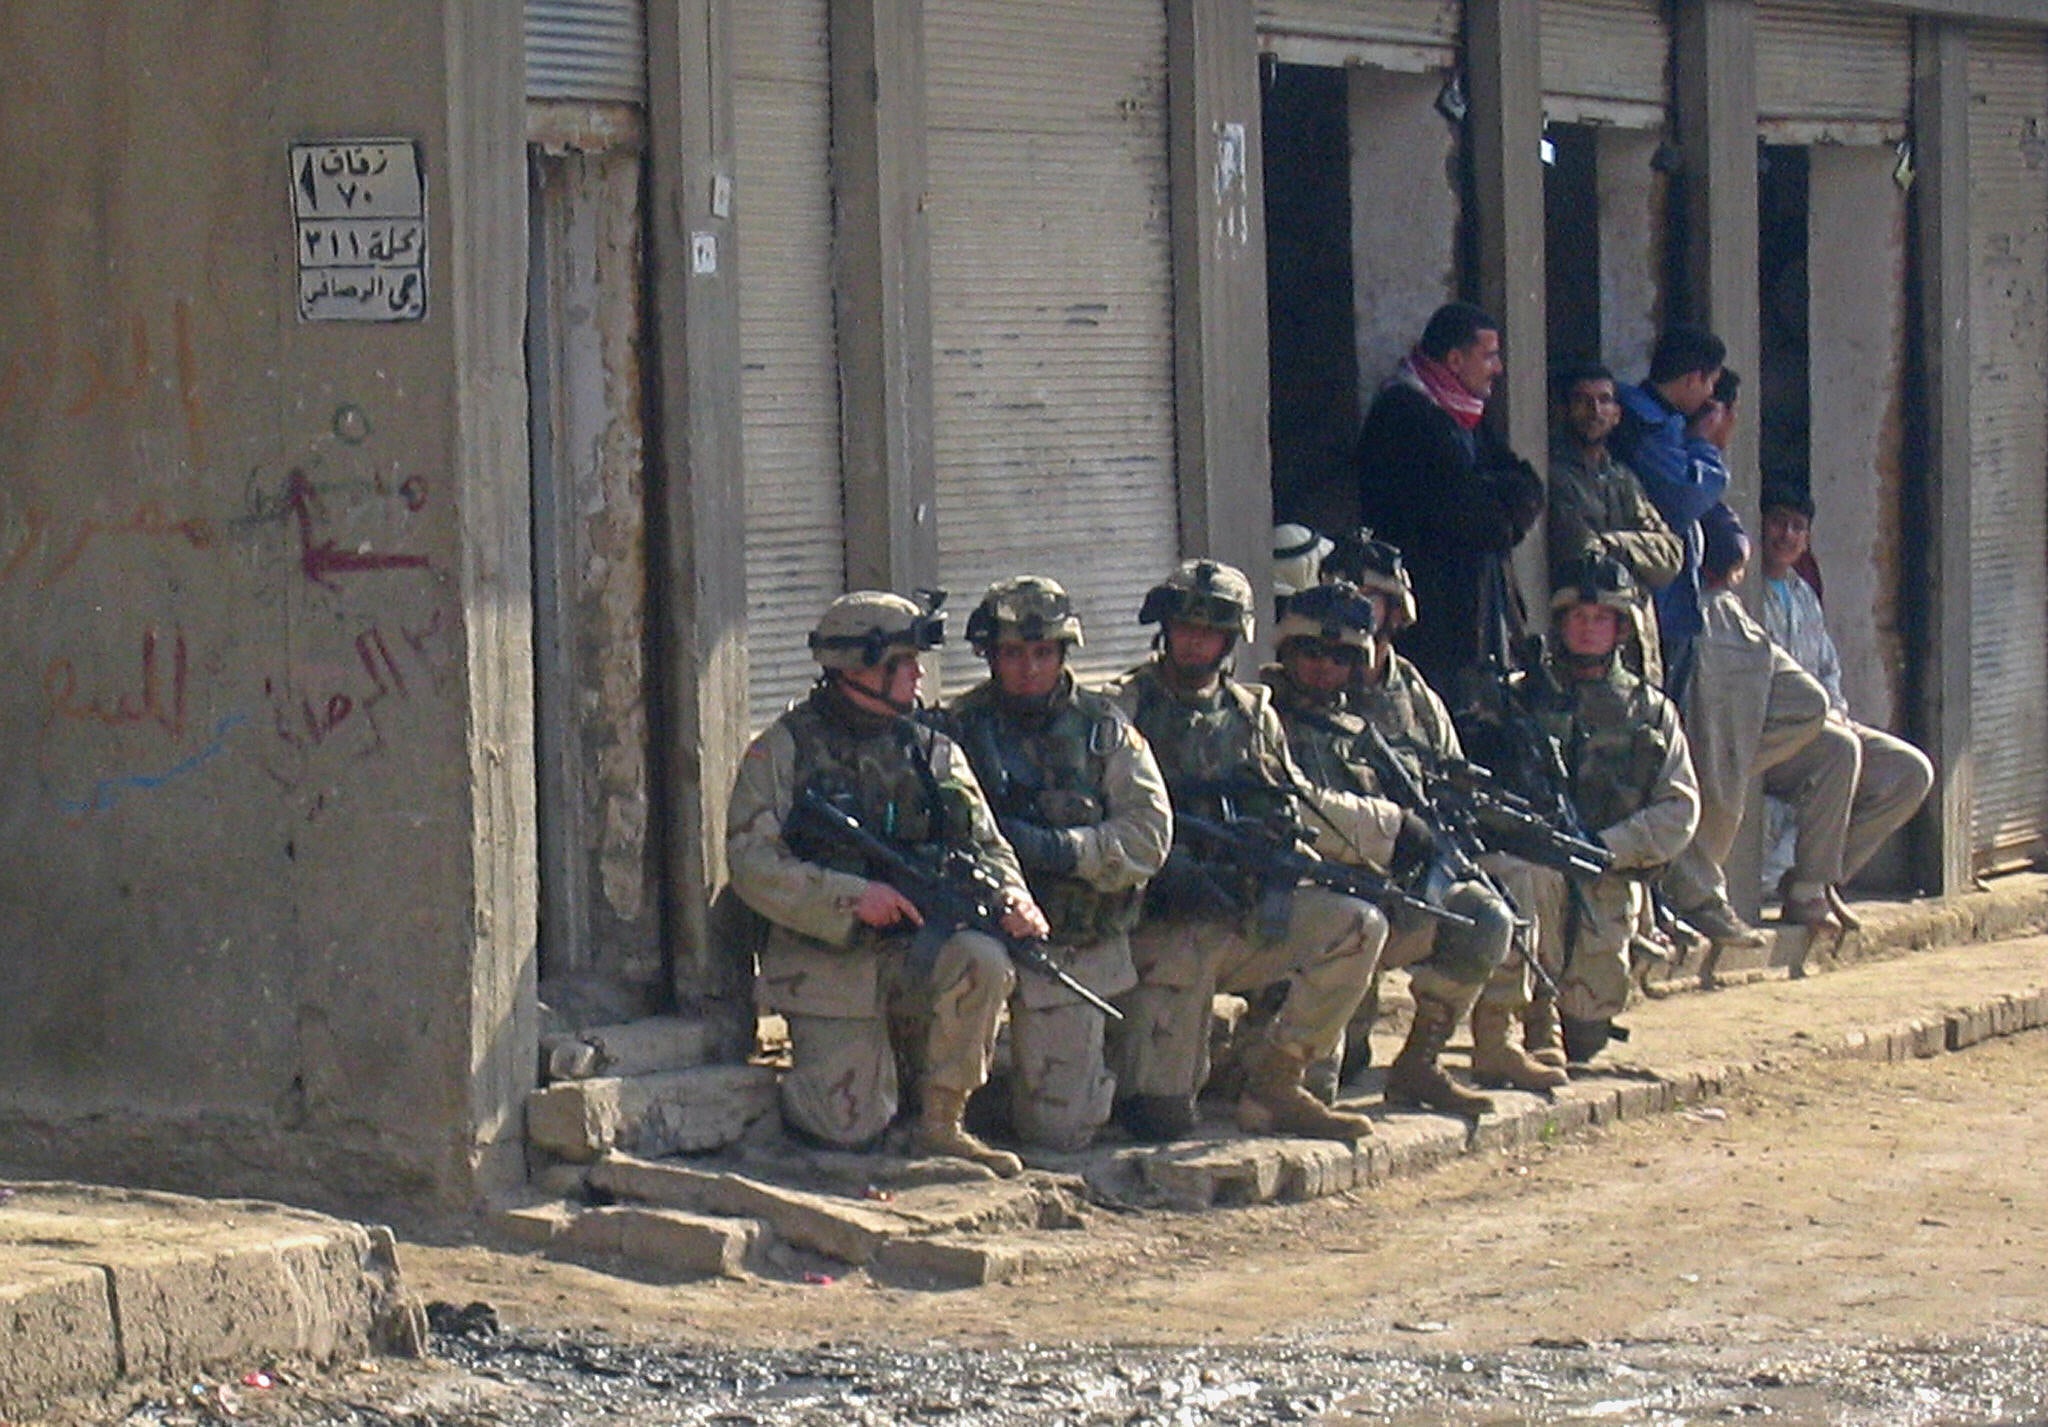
(789, 386)
(1052, 304)
(1818, 61)
(2009, 435)
(586, 49)
(1604, 50)
(1399, 22)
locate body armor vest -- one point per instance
(1322, 738)
(1215, 763)
(1054, 773)
(1614, 744)
(879, 777)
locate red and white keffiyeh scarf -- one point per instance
(1437, 382)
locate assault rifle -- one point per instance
(952, 893)
(1507, 822)
(1460, 839)
(1270, 855)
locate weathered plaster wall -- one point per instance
(1856, 256)
(1404, 215)
(1632, 229)
(603, 913)
(244, 943)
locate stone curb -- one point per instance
(103, 1286)
(1215, 1174)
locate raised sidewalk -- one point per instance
(104, 1286)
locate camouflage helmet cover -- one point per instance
(1208, 593)
(861, 629)
(1594, 578)
(1025, 607)
(1335, 612)
(1375, 566)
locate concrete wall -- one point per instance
(1857, 270)
(1632, 247)
(1404, 215)
(263, 611)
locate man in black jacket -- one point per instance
(1436, 481)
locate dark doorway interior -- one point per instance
(1784, 397)
(1571, 245)
(1311, 341)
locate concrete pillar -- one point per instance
(1504, 73)
(702, 567)
(1219, 284)
(882, 288)
(1941, 486)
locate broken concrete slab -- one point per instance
(699, 1245)
(100, 1285)
(648, 1046)
(949, 1263)
(838, 1228)
(673, 1112)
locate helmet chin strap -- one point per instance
(860, 692)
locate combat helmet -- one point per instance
(1025, 607)
(861, 629)
(1375, 566)
(1594, 578)
(1336, 612)
(1208, 593)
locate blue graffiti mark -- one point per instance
(107, 792)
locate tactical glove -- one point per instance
(1185, 887)
(1414, 844)
(1039, 848)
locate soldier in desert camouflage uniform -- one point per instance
(1080, 799)
(1325, 644)
(1224, 754)
(840, 962)
(1631, 780)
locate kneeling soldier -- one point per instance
(1080, 799)
(1392, 696)
(1215, 924)
(1631, 782)
(1326, 642)
(841, 962)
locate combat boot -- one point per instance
(1541, 1036)
(1496, 1063)
(1275, 1102)
(939, 1132)
(1416, 1080)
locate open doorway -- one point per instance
(1311, 348)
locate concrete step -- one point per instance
(667, 1112)
(643, 1047)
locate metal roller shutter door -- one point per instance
(2008, 439)
(1408, 35)
(1832, 71)
(1052, 305)
(1606, 61)
(789, 382)
(586, 49)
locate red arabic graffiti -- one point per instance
(158, 697)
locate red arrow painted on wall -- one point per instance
(323, 559)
